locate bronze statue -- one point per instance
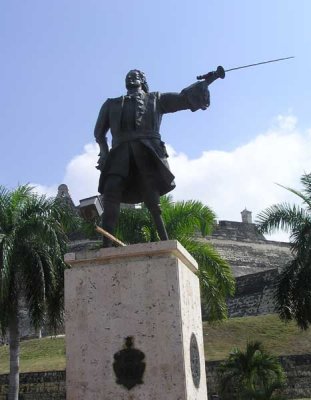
(135, 169)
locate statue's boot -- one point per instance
(109, 220)
(158, 220)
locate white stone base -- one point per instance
(146, 291)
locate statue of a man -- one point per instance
(135, 169)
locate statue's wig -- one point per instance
(143, 79)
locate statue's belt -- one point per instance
(133, 135)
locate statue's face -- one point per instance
(133, 80)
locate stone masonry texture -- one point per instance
(255, 263)
(50, 385)
(254, 294)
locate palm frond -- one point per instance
(186, 218)
(300, 239)
(298, 193)
(293, 296)
(293, 293)
(252, 372)
(306, 182)
(32, 249)
(65, 215)
(265, 393)
(55, 297)
(215, 275)
(8, 258)
(37, 270)
(135, 226)
(5, 201)
(281, 216)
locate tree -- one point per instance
(32, 245)
(187, 222)
(250, 375)
(265, 393)
(293, 289)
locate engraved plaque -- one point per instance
(195, 360)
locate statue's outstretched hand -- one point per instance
(207, 99)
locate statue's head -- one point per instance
(136, 79)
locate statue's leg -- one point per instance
(152, 200)
(145, 169)
(156, 212)
(112, 198)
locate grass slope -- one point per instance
(44, 354)
(219, 338)
(277, 337)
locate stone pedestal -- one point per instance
(133, 324)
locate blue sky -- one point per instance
(61, 59)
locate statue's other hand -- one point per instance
(101, 162)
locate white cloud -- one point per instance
(81, 176)
(227, 181)
(246, 176)
(49, 191)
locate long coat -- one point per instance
(145, 139)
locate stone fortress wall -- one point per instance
(248, 253)
(255, 263)
(254, 294)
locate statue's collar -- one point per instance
(136, 95)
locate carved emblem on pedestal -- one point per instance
(129, 366)
(195, 361)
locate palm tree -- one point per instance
(187, 222)
(32, 245)
(293, 290)
(245, 375)
(265, 393)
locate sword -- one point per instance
(109, 235)
(221, 72)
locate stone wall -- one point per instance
(234, 230)
(255, 262)
(254, 294)
(249, 257)
(298, 372)
(49, 385)
(52, 385)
